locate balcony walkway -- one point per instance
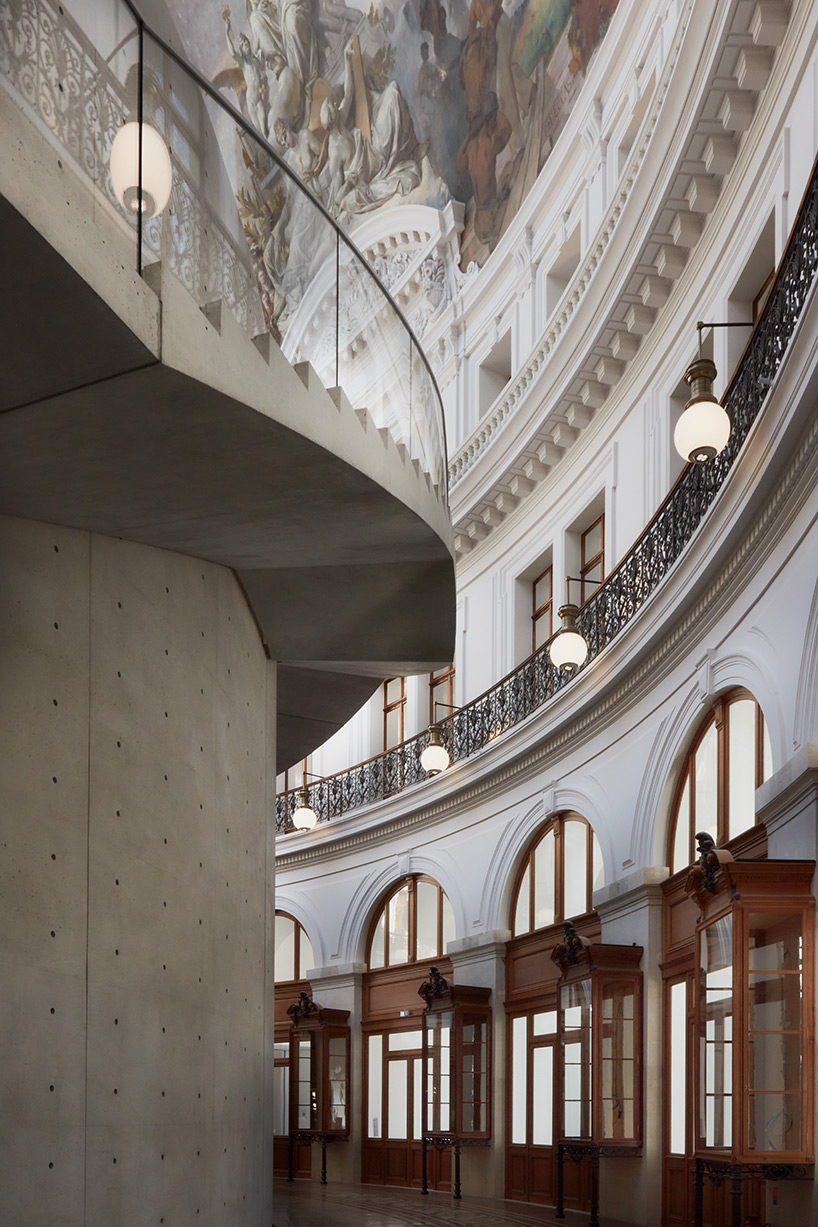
(307, 1204)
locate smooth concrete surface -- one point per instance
(137, 709)
(307, 1204)
(128, 411)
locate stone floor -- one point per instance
(307, 1204)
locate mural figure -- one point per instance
(253, 79)
(367, 169)
(380, 104)
(489, 133)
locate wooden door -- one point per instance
(302, 1157)
(392, 1152)
(533, 1116)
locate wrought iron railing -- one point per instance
(629, 585)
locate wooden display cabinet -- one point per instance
(456, 1069)
(754, 1004)
(599, 1033)
(319, 1076)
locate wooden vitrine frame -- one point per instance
(601, 965)
(464, 1006)
(312, 1032)
(735, 890)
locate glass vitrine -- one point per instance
(319, 1074)
(754, 1074)
(599, 1033)
(456, 1067)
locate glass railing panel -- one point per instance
(76, 75)
(374, 349)
(199, 235)
(216, 205)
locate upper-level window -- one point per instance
(394, 706)
(294, 776)
(557, 879)
(542, 591)
(441, 690)
(294, 955)
(729, 758)
(592, 558)
(415, 921)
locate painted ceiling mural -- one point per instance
(408, 101)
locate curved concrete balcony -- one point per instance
(219, 405)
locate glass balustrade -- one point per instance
(193, 185)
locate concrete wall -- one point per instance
(136, 868)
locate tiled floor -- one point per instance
(307, 1204)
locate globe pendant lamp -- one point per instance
(304, 816)
(157, 171)
(704, 428)
(568, 649)
(435, 758)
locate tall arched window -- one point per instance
(294, 954)
(729, 758)
(415, 921)
(557, 879)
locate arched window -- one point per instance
(414, 922)
(557, 879)
(729, 758)
(294, 954)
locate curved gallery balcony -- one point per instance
(637, 576)
(200, 254)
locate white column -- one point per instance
(630, 912)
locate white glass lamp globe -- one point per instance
(304, 817)
(704, 428)
(434, 759)
(157, 171)
(568, 649)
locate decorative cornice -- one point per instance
(473, 448)
(756, 545)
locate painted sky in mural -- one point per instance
(406, 100)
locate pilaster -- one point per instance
(630, 912)
(480, 960)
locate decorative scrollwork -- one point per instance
(434, 988)
(302, 1008)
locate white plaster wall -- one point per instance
(136, 875)
(626, 450)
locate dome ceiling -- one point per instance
(412, 103)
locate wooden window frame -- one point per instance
(763, 294)
(586, 564)
(298, 930)
(544, 610)
(557, 824)
(383, 912)
(444, 678)
(399, 705)
(716, 716)
(289, 770)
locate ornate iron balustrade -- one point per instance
(629, 585)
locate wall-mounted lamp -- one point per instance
(569, 647)
(704, 427)
(157, 172)
(435, 758)
(304, 817)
